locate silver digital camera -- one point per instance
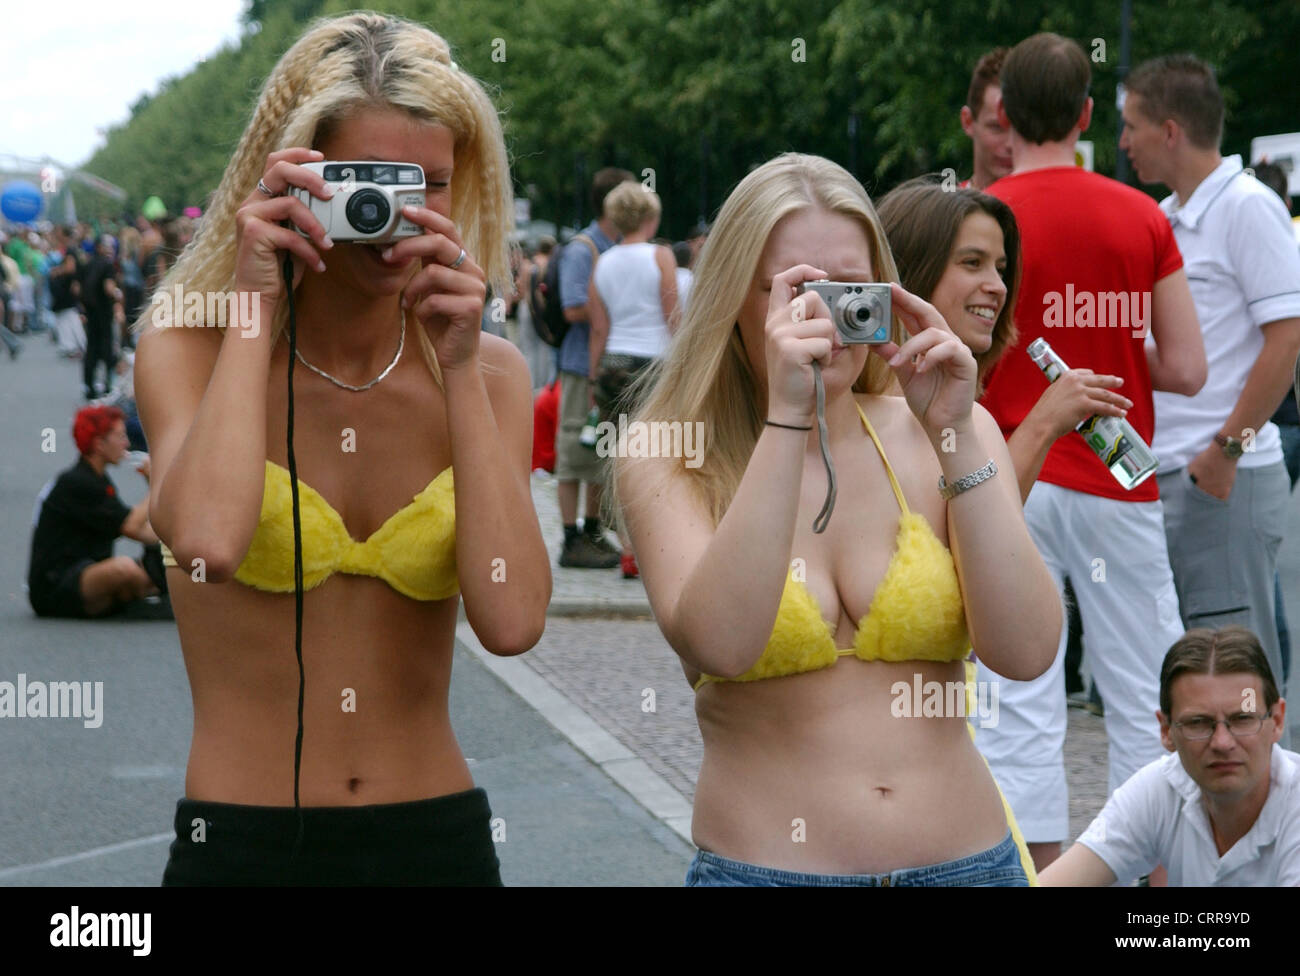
(861, 311)
(368, 200)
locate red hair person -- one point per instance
(73, 572)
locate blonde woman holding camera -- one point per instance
(412, 438)
(820, 766)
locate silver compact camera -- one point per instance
(861, 311)
(368, 200)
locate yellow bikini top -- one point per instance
(414, 551)
(916, 613)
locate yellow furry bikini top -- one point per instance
(916, 613)
(414, 551)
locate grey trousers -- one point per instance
(1224, 553)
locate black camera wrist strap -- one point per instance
(823, 438)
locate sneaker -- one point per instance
(583, 553)
(151, 562)
(603, 544)
(629, 567)
(157, 607)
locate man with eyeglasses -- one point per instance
(1225, 810)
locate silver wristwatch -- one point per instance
(967, 482)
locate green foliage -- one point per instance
(700, 92)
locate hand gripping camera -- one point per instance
(861, 311)
(368, 200)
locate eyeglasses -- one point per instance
(1240, 725)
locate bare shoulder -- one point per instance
(641, 477)
(894, 422)
(169, 356)
(501, 355)
(505, 376)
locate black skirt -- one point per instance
(443, 841)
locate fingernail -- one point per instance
(387, 254)
(409, 209)
(406, 302)
(898, 358)
(320, 265)
(327, 242)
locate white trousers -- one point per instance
(1114, 552)
(69, 331)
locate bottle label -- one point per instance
(1106, 438)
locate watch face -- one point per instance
(1231, 447)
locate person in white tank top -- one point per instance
(632, 302)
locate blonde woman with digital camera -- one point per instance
(814, 655)
(412, 436)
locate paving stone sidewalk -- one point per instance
(582, 592)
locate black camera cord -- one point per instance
(297, 552)
(823, 438)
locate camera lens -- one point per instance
(859, 316)
(368, 211)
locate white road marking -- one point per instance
(94, 852)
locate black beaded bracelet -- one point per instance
(773, 423)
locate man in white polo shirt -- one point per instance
(1221, 475)
(1223, 811)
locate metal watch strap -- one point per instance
(967, 482)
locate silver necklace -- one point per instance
(401, 343)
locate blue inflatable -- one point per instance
(21, 202)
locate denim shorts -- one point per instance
(998, 867)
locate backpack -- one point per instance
(544, 295)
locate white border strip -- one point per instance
(618, 762)
(56, 862)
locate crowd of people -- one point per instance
(84, 285)
(807, 568)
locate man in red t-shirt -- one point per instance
(1101, 271)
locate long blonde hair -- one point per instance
(337, 67)
(706, 375)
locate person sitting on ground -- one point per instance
(73, 572)
(1225, 810)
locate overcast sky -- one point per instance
(67, 76)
